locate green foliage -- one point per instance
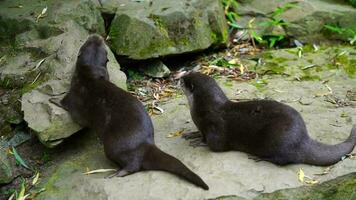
(275, 21)
(352, 2)
(230, 7)
(19, 159)
(134, 75)
(333, 28)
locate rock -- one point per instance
(156, 69)
(40, 57)
(51, 123)
(340, 188)
(305, 21)
(151, 29)
(226, 173)
(6, 174)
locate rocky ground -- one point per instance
(327, 105)
(39, 44)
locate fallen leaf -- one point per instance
(311, 182)
(99, 171)
(22, 191)
(326, 171)
(306, 179)
(301, 175)
(12, 196)
(19, 159)
(159, 109)
(39, 64)
(43, 13)
(242, 69)
(233, 61)
(35, 179)
(175, 134)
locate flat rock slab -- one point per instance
(228, 173)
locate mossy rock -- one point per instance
(143, 30)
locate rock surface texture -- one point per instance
(305, 21)
(43, 40)
(327, 108)
(149, 29)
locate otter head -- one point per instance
(202, 88)
(92, 59)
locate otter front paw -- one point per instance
(192, 135)
(197, 143)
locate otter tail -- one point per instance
(155, 159)
(316, 153)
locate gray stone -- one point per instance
(150, 29)
(156, 69)
(305, 21)
(51, 123)
(227, 173)
(6, 174)
(40, 55)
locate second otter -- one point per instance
(271, 130)
(118, 118)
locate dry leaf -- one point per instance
(233, 61)
(301, 175)
(39, 64)
(311, 182)
(35, 179)
(12, 196)
(326, 171)
(242, 69)
(175, 134)
(99, 171)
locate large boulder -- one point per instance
(305, 21)
(150, 29)
(40, 42)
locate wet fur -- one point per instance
(118, 118)
(271, 130)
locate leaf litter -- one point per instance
(152, 92)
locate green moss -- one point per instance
(160, 24)
(280, 59)
(260, 84)
(228, 83)
(339, 188)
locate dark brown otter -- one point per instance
(268, 129)
(118, 118)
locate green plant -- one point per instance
(352, 2)
(276, 21)
(230, 7)
(339, 30)
(134, 75)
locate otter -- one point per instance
(119, 119)
(270, 130)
